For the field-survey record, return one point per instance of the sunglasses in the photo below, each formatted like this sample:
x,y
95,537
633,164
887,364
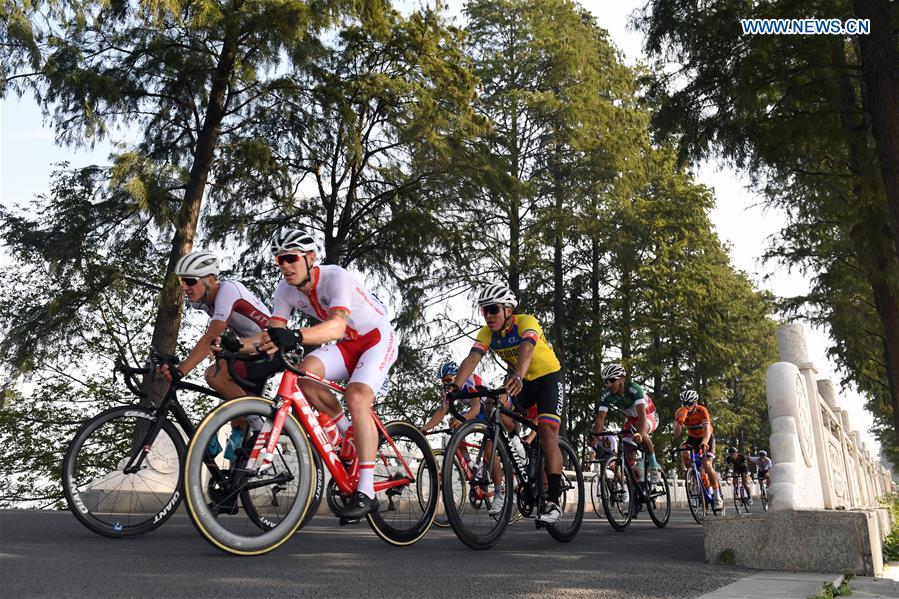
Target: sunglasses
x,y
611,380
448,379
189,281
288,258
491,309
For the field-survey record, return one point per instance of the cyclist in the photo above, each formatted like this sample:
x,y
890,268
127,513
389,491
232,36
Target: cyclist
x,y
475,411
533,377
763,463
366,346
695,419
229,304
638,408
739,469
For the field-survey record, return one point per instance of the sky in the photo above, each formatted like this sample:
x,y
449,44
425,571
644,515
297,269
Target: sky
x,y
28,152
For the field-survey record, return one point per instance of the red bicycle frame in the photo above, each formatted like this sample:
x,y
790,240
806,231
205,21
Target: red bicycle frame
x,y
290,396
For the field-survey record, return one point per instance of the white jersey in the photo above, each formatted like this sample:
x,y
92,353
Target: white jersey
x,y
237,306
334,288
762,463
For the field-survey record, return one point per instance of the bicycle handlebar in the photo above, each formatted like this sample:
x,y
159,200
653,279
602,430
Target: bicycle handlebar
x,y
479,392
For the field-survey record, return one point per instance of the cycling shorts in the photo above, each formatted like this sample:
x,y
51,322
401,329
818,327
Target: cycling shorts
x,y
695,442
651,417
545,393
365,360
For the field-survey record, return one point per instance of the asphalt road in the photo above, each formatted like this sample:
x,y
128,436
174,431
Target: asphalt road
x,y
49,554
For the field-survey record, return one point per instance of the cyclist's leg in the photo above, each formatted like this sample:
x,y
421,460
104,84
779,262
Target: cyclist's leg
x,y
746,485
218,377
327,362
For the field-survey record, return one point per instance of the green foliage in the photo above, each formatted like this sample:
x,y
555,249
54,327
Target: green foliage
x,y
728,557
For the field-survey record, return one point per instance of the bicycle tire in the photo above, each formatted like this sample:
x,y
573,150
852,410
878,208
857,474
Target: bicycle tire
x,y
766,502
241,536
617,493
695,495
659,512
596,495
477,529
119,505
440,518
570,463
406,520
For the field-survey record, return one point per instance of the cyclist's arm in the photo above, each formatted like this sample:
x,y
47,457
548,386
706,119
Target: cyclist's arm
x,y
600,423
466,368
677,429
203,347
326,331
525,353
706,433
435,419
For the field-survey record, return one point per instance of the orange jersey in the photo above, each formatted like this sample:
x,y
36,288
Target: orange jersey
x,y
693,422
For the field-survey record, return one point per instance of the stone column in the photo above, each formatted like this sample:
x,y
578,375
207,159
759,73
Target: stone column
x,y
792,347
851,468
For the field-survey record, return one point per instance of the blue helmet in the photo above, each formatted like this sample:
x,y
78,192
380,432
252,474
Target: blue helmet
x,y
447,369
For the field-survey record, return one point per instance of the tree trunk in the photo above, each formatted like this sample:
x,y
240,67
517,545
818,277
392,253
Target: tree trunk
x,y
880,96
558,280
168,316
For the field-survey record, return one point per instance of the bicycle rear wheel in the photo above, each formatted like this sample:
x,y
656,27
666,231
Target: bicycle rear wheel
x,y
475,525
103,497
213,490
407,508
695,495
571,497
658,501
617,493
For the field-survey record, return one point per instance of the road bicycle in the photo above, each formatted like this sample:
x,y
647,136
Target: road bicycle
x,y
122,471
763,491
520,485
742,502
700,497
624,487
281,454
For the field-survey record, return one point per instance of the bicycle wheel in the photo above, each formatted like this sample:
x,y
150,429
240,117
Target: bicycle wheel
x,y
571,496
596,495
744,499
105,498
695,495
658,500
459,492
407,507
213,491
763,490
260,500
617,492
475,525
738,500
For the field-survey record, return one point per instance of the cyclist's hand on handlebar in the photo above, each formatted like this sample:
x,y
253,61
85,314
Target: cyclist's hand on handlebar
x,y
280,338
230,343
449,389
171,374
513,384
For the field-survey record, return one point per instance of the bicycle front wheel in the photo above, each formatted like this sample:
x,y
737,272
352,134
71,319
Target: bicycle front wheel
x,y
695,495
617,493
405,484
596,494
658,501
213,489
459,492
105,497
571,496
484,519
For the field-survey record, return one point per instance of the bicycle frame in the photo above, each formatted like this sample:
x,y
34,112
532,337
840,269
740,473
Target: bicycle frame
x,y
290,398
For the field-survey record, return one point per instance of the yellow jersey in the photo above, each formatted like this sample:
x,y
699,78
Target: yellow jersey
x,y
523,328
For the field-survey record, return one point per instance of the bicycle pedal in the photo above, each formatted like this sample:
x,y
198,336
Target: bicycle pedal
x,y
349,521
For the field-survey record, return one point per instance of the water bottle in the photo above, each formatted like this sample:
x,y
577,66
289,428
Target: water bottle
x,y
518,452
233,443
348,448
330,429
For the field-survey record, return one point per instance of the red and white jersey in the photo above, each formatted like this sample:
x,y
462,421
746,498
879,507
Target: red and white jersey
x,y
237,306
334,288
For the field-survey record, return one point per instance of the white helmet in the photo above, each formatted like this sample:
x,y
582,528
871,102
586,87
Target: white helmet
x,y
292,240
197,264
689,398
613,371
496,294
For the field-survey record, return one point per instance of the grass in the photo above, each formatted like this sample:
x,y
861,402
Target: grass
x,y
891,542
828,591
